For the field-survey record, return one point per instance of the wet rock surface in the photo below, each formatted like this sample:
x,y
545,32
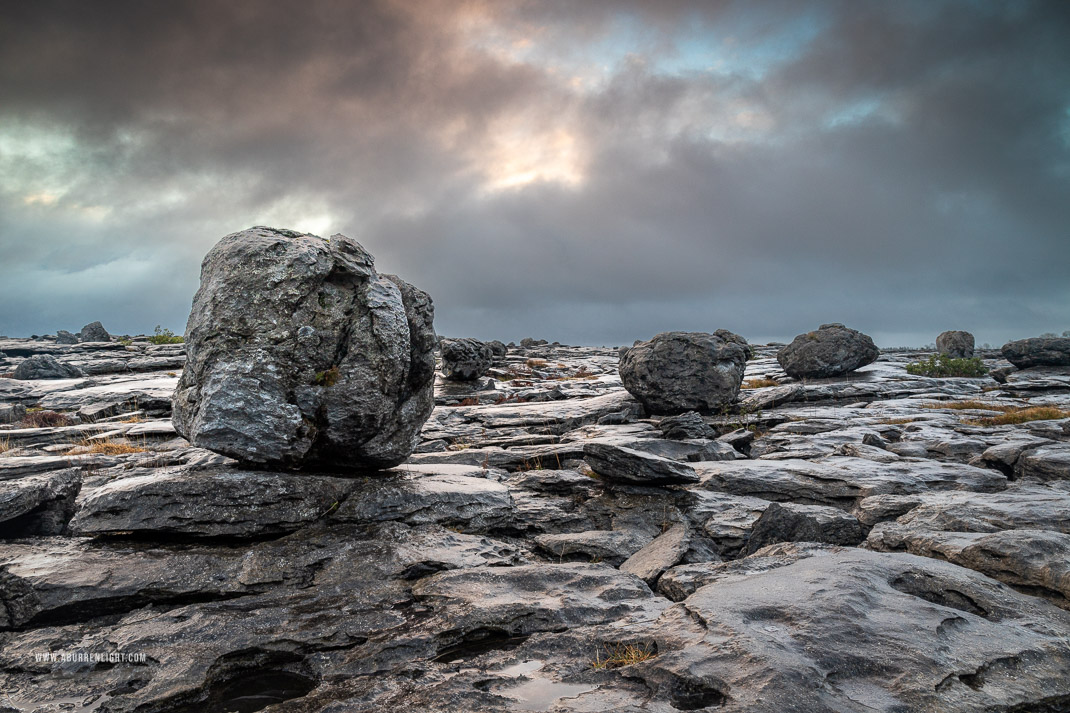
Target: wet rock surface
x,y
955,344
853,544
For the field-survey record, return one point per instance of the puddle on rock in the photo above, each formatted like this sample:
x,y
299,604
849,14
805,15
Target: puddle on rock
x,y
537,693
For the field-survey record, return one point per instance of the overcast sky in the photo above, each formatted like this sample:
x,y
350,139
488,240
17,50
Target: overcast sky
x,y
585,171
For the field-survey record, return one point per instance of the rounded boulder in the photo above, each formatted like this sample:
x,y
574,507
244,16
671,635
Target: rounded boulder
x,y
300,355
677,372
831,350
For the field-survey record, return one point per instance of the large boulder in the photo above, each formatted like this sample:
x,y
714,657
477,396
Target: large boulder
x,y
45,366
465,359
955,344
832,350
300,354
677,372
94,332
1038,351
65,337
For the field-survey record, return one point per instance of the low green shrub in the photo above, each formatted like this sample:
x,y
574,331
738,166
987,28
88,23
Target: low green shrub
x,y
941,366
165,336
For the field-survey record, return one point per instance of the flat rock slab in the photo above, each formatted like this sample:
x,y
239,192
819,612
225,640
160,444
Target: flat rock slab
x,y
843,481
215,503
885,631
1036,560
610,546
531,598
1022,506
22,466
473,504
667,549
617,464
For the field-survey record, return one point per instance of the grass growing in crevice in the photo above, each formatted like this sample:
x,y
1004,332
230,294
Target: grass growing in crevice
x,y
45,419
943,366
5,445
110,447
972,405
1014,415
758,383
620,655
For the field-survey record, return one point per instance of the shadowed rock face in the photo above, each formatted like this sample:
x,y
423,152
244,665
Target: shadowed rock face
x,y
1039,351
685,371
300,354
830,351
955,344
45,366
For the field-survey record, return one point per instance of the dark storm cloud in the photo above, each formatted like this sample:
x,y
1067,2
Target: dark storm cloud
x,y
591,172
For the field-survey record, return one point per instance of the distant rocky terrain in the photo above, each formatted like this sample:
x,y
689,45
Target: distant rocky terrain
x,y
872,541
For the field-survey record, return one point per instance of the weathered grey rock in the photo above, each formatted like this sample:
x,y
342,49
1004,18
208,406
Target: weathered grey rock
x,y
955,344
684,371
470,503
65,337
465,359
38,504
1038,351
213,503
1036,560
1025,505
685,426
625,465
900,632
1050,462
666,550
497,348
726,520
610,546
94,332
832,350
842,481
11,413
45,366
301,355
793,522
528,598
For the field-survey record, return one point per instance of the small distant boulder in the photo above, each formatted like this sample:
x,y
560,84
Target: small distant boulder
x,y
497,348
955,344
94,332
528,342
465,359
300,355
65,337
1038,351
832,350
46,366
677,372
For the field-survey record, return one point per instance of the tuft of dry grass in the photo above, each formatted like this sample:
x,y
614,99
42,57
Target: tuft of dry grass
x,y
897,421
620,655
132,419
45,419
470,401
1022,415
5,445
109,447
972,405
532,363
758,383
